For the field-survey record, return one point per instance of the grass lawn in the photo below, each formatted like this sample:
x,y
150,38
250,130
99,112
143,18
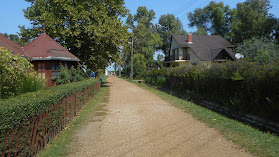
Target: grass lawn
x,y
257,142
60,146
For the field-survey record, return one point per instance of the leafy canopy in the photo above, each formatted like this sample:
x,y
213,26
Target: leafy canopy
x,y
168,26
144,35
249,19
259,50
90,29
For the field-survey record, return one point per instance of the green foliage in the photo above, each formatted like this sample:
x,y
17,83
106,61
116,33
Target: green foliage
x,y
14,111
76,74
139,63
249,19
242,86
17,75
156,77
67,76
92,30
145,38
168,26
201,31
259,50
160,60
214,18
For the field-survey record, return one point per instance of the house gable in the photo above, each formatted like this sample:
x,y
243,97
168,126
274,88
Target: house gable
x,y
222,56
205,47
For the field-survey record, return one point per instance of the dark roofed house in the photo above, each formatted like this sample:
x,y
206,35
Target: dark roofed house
x,y
12,46
46,55
187,50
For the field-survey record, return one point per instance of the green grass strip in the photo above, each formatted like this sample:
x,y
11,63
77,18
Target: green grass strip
x,y
257,142
61,145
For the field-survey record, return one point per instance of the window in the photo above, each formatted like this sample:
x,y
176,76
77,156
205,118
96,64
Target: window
x,y
55,66
55,70
41,70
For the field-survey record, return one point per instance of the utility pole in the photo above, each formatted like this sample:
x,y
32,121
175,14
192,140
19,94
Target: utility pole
x,y
119,68
131,74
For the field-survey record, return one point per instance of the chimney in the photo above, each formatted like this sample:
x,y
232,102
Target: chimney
x,y
189,37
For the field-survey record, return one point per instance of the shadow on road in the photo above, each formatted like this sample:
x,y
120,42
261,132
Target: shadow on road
x,y
106,84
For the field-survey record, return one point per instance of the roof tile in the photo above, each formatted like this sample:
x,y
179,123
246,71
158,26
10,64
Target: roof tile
x,y
9,44
45,48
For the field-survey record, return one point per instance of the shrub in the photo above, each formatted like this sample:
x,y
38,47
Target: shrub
x,y
242,86
21,111
67,76
17,75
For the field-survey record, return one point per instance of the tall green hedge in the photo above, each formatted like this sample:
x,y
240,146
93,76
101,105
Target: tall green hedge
x,y
241,86
14,111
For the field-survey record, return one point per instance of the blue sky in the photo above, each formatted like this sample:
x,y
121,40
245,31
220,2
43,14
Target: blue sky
x,y
12,16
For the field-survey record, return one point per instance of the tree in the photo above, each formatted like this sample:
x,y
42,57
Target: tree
x,y
160,60
139,63
259,50
144,36
91,29
168,26
214,18
201,31
251,19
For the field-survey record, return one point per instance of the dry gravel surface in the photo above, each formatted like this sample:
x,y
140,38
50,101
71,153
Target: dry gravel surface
x,y
139,123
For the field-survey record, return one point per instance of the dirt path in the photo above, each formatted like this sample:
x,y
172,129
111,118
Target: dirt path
x,y
139,123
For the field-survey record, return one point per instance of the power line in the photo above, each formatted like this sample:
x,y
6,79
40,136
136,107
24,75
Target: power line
x,y
196,7
175,12
186,7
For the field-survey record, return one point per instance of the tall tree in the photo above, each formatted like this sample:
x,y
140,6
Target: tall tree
x,y
201,31
90,29
251,19
144,36
168,26
214,18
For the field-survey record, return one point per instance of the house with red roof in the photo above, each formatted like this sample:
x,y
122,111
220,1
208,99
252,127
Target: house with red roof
x,y
45,54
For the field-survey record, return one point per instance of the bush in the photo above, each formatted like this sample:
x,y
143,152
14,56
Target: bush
x,y
17,75
242,86
24,109
67,76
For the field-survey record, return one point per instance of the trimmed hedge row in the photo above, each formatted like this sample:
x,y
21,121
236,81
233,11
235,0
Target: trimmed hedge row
x,y
15,110
241,86
48,109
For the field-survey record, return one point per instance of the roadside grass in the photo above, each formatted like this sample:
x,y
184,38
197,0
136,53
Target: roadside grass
x,y
252,140
61,145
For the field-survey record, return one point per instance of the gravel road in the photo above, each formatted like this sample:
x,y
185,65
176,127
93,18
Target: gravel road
x,y
139,123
